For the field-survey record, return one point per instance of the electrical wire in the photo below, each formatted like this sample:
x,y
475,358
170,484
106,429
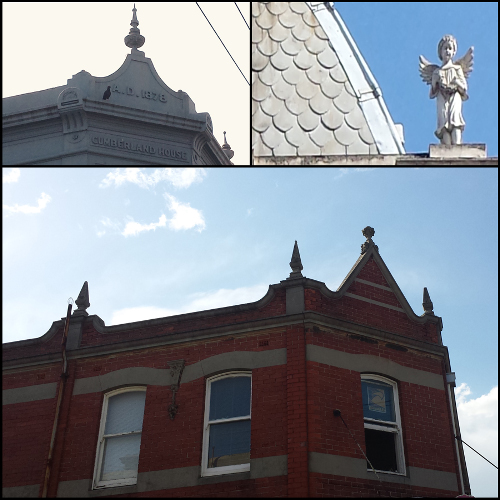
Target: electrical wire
x,y
460,439
223,44
241,15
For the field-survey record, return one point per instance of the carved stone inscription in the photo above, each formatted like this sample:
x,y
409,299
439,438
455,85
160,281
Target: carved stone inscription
x,y
142,93
162,151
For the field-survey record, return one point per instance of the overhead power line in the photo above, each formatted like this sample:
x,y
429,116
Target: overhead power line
x,y
242,15
460,439
223,44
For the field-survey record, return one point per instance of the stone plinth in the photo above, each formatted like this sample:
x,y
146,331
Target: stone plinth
x,y
457,151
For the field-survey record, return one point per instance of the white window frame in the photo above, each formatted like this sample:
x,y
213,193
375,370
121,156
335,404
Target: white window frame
x,y
393,427
96,484
228,469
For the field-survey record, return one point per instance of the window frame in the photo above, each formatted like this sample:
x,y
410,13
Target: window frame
x,y
393,427
96,484
227,469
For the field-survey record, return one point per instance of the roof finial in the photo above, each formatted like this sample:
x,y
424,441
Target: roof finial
x,y
134,39
368,233
83,300
296,263
427,303
227,148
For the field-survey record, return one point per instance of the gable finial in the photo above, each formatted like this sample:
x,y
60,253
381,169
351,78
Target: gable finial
x,y
296,263
134,39
227,148
427,303
83,300
368,233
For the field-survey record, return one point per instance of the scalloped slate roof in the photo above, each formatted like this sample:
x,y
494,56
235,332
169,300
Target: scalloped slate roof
x,y
303,99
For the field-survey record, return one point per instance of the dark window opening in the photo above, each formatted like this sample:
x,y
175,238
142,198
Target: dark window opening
x,y
381,450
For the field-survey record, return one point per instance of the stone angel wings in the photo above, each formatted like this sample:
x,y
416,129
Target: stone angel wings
x,y
427,68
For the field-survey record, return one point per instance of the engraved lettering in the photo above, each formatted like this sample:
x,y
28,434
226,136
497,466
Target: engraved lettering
x,y
130,91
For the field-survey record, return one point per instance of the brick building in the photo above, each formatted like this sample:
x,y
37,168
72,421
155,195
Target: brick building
x,y
240,400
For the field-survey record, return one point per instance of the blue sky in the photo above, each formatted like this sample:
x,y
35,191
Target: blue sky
x,y
153,243
392,35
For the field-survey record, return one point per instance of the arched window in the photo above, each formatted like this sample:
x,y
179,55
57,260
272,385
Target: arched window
x,y
226,433
383,438
119,443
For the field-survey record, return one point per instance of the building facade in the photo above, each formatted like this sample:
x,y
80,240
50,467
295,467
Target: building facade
x,y
306,392
130,117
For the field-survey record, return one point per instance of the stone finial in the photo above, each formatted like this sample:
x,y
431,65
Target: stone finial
x,y
449,86
83,300
227,148
134,39
427,303
296,263
368,233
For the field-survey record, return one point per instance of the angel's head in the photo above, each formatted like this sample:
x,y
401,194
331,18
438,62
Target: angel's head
x,y
447,48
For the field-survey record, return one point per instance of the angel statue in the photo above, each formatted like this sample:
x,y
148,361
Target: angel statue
x,y
449,85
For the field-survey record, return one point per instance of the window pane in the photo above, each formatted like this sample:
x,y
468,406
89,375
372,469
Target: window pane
x,y
230,397
229,444
121,457
378,401
125,412
381,450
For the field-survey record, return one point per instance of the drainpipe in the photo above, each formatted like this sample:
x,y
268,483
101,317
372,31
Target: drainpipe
x,y
62,383
464,479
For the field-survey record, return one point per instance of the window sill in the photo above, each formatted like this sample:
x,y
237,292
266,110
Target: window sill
x,y
224,477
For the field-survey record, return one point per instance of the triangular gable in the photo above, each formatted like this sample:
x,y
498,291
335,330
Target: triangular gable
x,y
312,91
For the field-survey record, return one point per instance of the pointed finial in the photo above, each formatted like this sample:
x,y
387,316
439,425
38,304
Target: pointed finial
x,y
134,39
296,263
368,233
427,303
227,148
83,300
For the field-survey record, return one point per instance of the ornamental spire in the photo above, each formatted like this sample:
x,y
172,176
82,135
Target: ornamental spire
x,y
134,39
227,148
368,233
83,300
296,263
427,303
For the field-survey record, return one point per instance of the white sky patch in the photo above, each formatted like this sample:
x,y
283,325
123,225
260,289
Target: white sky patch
x,y
478,419
178,177
185,216
131,314
12,175
344,171
200,302
28,209
133,228
249,211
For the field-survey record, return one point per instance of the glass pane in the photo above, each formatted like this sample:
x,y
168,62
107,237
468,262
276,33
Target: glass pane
x,y
378,401
230,397
120,457
125,412
229,444
381,450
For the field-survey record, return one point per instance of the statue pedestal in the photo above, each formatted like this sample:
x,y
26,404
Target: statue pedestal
x,y
457,151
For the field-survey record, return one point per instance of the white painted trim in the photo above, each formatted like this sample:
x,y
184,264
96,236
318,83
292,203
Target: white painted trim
x,y
395,427
96,484
229,469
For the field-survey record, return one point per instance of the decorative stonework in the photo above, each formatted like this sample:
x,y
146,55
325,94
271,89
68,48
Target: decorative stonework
x,y
449,86
83,301
176,369
427,303
134,39
296,263
368,233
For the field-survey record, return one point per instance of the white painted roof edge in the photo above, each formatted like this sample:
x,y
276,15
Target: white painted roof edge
x,y
364,84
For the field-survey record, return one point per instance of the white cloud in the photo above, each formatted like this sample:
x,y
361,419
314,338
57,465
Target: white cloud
x,y
200,302
478,420
27,209
134,228
249,211
344,171
185,216
11,176
178,177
